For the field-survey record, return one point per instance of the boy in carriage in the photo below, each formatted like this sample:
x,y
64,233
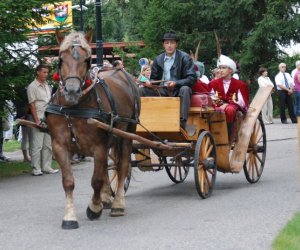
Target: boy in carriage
x,y
230,95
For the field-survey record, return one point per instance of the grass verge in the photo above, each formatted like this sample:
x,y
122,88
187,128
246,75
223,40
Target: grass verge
x,y
11,146
13,168
289,236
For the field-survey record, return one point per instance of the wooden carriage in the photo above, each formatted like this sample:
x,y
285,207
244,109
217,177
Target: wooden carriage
x,y
160,142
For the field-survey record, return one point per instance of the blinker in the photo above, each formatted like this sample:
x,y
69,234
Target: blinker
x,y
55,77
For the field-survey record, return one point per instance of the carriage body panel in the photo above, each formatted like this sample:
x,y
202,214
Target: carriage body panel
x,y
204,119
160,114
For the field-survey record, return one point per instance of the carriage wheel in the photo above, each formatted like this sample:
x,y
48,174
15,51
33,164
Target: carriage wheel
x,y
113,179
205,164
256,153
179,171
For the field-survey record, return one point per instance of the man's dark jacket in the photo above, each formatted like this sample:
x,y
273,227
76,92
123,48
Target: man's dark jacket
x,y
182,71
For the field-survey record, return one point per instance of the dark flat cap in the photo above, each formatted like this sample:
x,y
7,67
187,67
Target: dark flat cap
x,y
170,36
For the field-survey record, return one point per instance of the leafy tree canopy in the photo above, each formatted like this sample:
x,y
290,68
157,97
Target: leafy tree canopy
x,y
249,31
15,20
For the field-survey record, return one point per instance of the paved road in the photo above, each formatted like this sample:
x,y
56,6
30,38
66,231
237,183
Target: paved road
x,y
160,215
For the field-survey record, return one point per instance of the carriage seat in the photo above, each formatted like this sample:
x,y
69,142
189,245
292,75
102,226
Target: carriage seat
x,y
201,100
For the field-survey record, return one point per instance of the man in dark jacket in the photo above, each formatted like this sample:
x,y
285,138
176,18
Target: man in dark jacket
x,y
176,68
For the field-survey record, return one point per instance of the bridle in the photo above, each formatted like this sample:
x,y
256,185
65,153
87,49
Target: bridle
x,y
88,62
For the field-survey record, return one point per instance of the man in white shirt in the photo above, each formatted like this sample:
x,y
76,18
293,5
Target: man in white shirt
x,y
39,95
285,85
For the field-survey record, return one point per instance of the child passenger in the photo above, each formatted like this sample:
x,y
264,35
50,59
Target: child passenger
x,y
145,74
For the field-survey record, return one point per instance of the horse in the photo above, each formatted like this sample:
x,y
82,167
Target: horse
x,y
111,97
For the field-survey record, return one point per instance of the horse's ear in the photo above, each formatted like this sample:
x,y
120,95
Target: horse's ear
x,y
59,36
89,35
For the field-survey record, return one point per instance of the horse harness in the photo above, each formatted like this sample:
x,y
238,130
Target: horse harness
x,y
100,114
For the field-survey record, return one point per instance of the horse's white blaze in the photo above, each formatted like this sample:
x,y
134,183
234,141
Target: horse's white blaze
x,y
70,210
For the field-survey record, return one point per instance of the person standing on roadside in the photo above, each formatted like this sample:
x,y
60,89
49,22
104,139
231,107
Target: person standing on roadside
x,y
267,110
285,85
295,69
297,91
39,95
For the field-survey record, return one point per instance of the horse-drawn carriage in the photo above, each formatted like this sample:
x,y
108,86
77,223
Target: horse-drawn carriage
x,y
207,150
111,102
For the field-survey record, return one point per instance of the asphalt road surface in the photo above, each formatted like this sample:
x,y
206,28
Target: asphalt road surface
x,y
159,214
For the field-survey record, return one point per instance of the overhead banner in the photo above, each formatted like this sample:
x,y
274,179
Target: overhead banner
x,y
59,16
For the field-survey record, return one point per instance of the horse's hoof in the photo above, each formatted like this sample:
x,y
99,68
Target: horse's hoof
x,y
115,212
69,224
106,205
92,215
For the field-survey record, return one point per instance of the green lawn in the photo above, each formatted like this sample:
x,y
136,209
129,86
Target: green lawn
x,y
289,236
14,168
10,146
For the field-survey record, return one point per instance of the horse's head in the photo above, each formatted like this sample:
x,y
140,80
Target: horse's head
x,y
74,64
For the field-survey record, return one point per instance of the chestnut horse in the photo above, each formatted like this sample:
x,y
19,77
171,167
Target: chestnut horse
x,y
110,97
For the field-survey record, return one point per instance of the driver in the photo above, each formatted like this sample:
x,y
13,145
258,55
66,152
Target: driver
x,y
176,68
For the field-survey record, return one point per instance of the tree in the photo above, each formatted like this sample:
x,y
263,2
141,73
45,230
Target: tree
x,y
249,30
112,19
15,20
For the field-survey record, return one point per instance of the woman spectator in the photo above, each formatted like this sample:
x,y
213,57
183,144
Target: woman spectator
x,y
267,110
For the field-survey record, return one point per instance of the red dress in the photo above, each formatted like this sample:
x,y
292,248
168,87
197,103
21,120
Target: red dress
x,y
234,87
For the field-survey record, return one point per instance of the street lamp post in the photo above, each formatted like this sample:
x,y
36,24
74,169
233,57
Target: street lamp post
x,y
99,42
81,13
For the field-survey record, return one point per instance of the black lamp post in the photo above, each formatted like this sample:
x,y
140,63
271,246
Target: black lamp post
x,y
99,42
81,20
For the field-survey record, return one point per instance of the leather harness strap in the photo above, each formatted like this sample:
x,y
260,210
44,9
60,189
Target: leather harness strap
x,y
100,114
79,112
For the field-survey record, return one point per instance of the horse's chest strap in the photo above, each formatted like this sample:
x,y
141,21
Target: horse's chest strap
x,y
79,112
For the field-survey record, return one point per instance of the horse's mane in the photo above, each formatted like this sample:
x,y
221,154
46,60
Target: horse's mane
x,y
75,38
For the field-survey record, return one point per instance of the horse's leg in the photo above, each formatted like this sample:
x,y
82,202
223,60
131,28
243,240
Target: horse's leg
x,y
124,152
95,207
69,219
106,192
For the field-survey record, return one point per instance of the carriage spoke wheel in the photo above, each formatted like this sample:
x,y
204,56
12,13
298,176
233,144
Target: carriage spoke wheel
x,y
179,171
256,153
205,164
113,179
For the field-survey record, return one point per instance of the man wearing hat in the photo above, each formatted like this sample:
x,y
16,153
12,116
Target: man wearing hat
x,y
176,68
230,94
